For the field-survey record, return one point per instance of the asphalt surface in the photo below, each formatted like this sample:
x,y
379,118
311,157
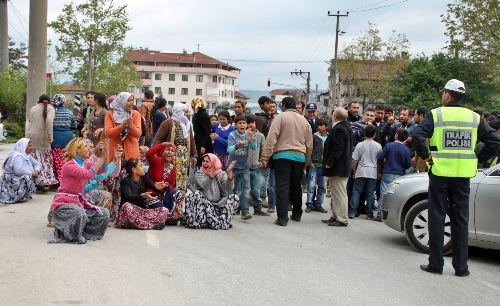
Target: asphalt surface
x,y
256,262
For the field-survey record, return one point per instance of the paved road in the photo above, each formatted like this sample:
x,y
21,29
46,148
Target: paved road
x,y
255,263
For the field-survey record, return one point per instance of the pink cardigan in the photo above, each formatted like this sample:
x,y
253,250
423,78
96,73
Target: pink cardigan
x,y
73,180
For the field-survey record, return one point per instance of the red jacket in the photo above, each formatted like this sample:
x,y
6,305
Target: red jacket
x,y
157,167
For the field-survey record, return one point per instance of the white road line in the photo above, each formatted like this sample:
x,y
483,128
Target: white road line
x,y
152,239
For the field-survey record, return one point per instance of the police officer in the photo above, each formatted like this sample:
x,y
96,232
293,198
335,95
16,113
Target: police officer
x,y
452,131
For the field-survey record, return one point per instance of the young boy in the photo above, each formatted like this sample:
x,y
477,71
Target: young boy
x,y
239,143
254,166
364,165
315,179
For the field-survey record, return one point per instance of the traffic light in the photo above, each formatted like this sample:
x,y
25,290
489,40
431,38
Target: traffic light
x,y
269,82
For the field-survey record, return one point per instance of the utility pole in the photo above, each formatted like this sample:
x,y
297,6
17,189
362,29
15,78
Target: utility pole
x,y
37,52
4,36
333,70
306,76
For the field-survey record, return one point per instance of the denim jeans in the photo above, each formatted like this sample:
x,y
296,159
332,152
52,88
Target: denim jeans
x,y
315,186
271,189
361,184
264,172
387,179
255,183
242,187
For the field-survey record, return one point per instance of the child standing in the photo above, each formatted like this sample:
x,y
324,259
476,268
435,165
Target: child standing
x,y
254,166
239,143
315,179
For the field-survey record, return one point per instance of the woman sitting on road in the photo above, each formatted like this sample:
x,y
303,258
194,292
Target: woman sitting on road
x,y
161,159
76,220
213,202
141,206
17,183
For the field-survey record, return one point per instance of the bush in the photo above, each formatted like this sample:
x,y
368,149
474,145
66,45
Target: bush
x,y
15,131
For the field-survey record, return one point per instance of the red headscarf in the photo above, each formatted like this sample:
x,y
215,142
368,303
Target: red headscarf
x,y
216,165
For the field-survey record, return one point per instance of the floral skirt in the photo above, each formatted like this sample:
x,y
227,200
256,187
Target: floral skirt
x,y
15,188
181,162
201,213
57,156
102,198
112,184
132,216
75,224
46,177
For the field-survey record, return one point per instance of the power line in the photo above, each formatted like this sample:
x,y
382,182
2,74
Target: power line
x,y
378,7
18,32
18,17
271,61
368,5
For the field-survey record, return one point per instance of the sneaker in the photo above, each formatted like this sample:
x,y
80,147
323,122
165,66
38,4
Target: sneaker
x,y
265,203
271,210
309,209
260,213
281,222
245,215
295,218
320,209
337,223
351,215
332,219
378,219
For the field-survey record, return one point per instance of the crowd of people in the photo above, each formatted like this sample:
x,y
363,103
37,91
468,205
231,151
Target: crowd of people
x,y
155,165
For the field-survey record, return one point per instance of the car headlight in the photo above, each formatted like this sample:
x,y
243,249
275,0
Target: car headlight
x,y
391,189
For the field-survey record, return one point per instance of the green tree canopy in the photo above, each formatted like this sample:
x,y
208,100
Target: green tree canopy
x,y
17,55
420,81
99,27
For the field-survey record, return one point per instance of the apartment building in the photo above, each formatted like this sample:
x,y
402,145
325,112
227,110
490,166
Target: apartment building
x,y
181,77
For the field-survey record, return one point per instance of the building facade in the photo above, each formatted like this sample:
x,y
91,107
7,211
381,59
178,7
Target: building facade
x,y
181,77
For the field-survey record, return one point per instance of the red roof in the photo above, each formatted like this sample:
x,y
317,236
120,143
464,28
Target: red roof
x,y
240,95
178,58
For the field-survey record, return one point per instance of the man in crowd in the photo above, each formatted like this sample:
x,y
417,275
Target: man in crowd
x,y
405,122
353,109
300,107
315,180
289,143
337,156
86,114
145,110
312,116
451,130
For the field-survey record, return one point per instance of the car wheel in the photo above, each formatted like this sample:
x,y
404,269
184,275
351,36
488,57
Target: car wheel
x,y
417,228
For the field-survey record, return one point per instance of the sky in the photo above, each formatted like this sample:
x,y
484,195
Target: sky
x,y
247,33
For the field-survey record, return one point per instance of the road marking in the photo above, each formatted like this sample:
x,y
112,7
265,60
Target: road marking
x,y
488,284
152,239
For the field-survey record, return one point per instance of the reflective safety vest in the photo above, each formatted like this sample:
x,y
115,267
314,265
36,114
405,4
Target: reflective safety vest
x,y
453,142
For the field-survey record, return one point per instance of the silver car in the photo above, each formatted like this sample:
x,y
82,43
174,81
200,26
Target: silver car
x,y
404,208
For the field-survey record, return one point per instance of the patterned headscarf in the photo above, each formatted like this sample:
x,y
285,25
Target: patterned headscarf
x,y
118,107
59,100
178,116
216,166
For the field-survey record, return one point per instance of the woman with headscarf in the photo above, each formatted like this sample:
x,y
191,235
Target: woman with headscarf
x,y
17,183
64,123
177,130
122,126
39,129
213,202
202,129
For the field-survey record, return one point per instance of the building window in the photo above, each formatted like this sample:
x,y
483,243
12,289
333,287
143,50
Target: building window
x,y
171,77
158,90
144,88
199,78
199,92
220,79
171,103
184,77
233,82
184,91
171,91
214,79
157,76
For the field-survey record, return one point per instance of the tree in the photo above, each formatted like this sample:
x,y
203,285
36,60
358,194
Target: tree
x,y
473,27
420,81
92,30
13,94
117,77
368,64
17,55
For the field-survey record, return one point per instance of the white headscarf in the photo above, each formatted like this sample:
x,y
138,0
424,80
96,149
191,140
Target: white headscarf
x,y
118,107
178,116
19,150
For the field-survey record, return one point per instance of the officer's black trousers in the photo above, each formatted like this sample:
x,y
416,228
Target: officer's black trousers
x,y
448,194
